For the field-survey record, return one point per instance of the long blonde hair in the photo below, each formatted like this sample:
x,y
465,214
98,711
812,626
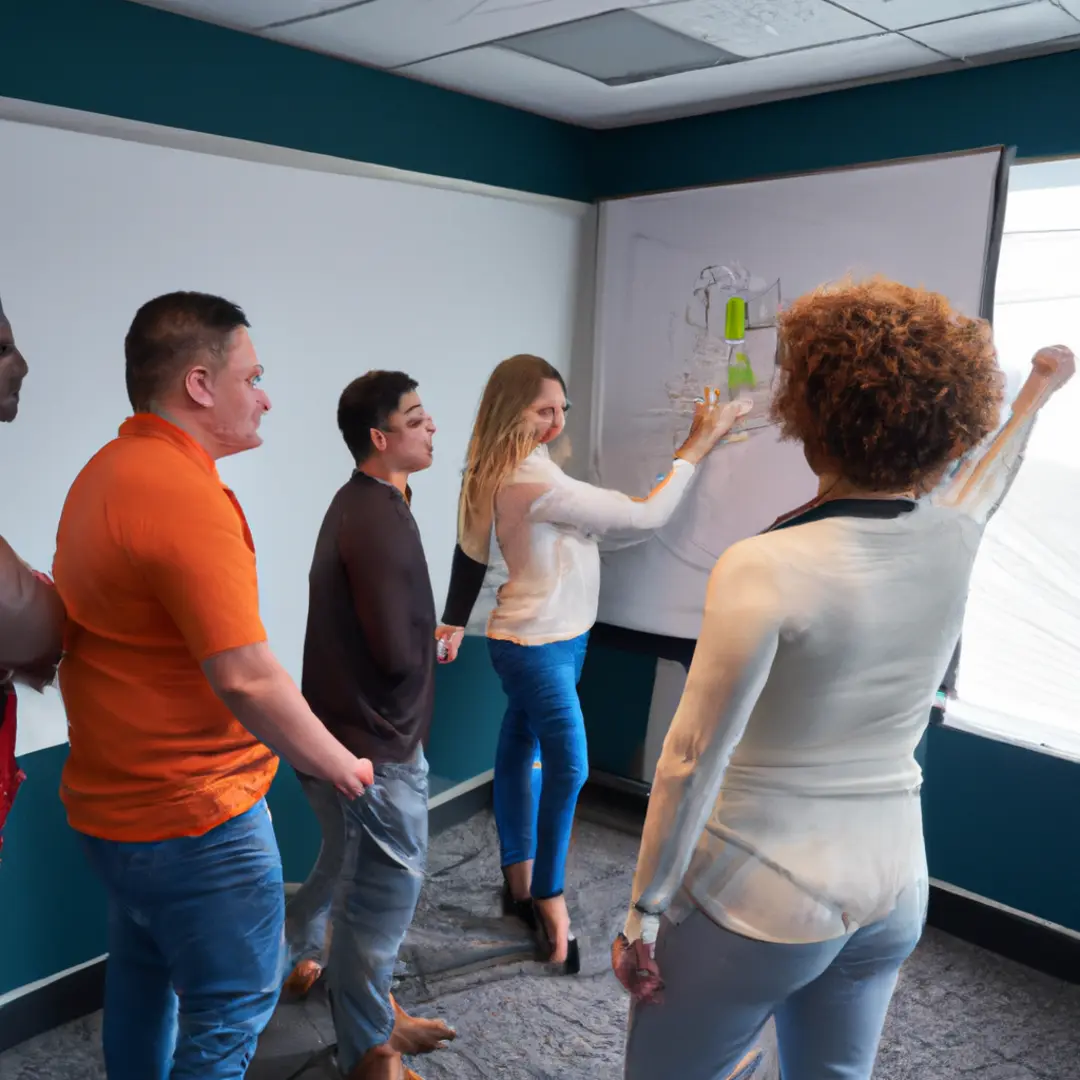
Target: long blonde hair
x,y
500,441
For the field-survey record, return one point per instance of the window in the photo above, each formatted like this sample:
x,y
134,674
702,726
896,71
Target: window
x,y
1019,672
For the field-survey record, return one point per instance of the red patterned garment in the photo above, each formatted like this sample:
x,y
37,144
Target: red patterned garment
x,y
11,776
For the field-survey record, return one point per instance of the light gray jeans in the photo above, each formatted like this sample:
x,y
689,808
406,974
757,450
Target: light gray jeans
x,y
829,999
367,878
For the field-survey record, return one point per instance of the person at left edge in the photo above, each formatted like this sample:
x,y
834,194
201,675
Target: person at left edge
x,y
174,699
31,614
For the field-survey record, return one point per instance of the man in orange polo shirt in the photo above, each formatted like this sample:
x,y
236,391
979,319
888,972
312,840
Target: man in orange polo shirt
x,y
173,700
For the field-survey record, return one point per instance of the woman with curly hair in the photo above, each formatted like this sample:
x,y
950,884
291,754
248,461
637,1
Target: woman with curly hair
x,y
782,871
517,503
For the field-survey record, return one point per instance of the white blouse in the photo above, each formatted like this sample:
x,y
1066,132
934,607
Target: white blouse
x,y
547,531
786,799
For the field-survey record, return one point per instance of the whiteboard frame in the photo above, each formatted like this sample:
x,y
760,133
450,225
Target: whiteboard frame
x,y
991,256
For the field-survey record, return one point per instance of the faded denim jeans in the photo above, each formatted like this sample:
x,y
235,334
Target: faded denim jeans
x,y
829,999
196,949
368,878
307,914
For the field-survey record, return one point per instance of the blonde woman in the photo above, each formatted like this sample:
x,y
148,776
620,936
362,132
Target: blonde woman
x,y
547,527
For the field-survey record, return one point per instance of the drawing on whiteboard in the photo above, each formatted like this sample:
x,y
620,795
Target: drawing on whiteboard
x,y
725,338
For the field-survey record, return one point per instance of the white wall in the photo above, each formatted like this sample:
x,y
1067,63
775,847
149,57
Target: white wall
x,y
338,274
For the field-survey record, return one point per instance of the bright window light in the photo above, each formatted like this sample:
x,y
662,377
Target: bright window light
x,y
1019,673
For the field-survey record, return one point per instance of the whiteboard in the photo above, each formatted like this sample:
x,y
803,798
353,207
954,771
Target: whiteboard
x,y
338,274
926,222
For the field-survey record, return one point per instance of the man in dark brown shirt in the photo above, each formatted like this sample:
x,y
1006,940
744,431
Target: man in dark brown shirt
x,y
369,675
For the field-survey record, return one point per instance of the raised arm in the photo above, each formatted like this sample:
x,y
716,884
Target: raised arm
x,y
735,652
599,510
983,479
602,512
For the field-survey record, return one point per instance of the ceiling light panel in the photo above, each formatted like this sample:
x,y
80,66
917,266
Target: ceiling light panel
x,y
900,14
995,31
243,14
761,27
617,48
389,33
501,75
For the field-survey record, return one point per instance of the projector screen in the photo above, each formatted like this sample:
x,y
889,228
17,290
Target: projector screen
x,y
668,266
337,273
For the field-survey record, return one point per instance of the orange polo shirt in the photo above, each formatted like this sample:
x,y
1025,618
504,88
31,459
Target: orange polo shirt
x,y
156,566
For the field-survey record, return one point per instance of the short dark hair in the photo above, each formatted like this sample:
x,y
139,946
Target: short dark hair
x,y
170,332
369,402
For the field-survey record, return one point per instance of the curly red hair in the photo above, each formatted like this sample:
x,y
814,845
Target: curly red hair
x,y
884,384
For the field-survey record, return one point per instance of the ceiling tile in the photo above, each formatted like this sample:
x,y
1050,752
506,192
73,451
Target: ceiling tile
x,y
994,31
501,75
387,33
243,14
618,47
760,29
900,14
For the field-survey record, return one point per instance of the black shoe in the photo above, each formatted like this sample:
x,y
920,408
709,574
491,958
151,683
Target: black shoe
x,y
572,964
519,909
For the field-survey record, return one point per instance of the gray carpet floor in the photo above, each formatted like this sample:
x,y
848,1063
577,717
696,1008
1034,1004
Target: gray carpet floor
x,y
958,1011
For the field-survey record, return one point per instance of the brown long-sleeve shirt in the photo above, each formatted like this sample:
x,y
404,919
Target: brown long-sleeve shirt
x,y
369,652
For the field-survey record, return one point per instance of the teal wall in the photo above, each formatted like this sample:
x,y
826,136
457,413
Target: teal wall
x,y
120,59
1026,104
52,904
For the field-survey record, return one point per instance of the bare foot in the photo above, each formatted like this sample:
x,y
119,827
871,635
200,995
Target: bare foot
x,y
417,1034
556,919
303,977
382,1063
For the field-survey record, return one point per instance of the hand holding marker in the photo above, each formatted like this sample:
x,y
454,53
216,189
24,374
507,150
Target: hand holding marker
x,y
741,406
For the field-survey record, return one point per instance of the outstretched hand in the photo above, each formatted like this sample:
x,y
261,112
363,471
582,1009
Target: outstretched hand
x,y
634,964
712,421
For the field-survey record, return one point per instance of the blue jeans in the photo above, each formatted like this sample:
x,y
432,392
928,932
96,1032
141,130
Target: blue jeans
x,y
829,999
542,760
382,871
196,949
307,914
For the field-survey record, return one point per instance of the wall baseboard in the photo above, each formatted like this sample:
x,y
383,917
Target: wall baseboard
x,y
1010,934
60,1001
82,991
